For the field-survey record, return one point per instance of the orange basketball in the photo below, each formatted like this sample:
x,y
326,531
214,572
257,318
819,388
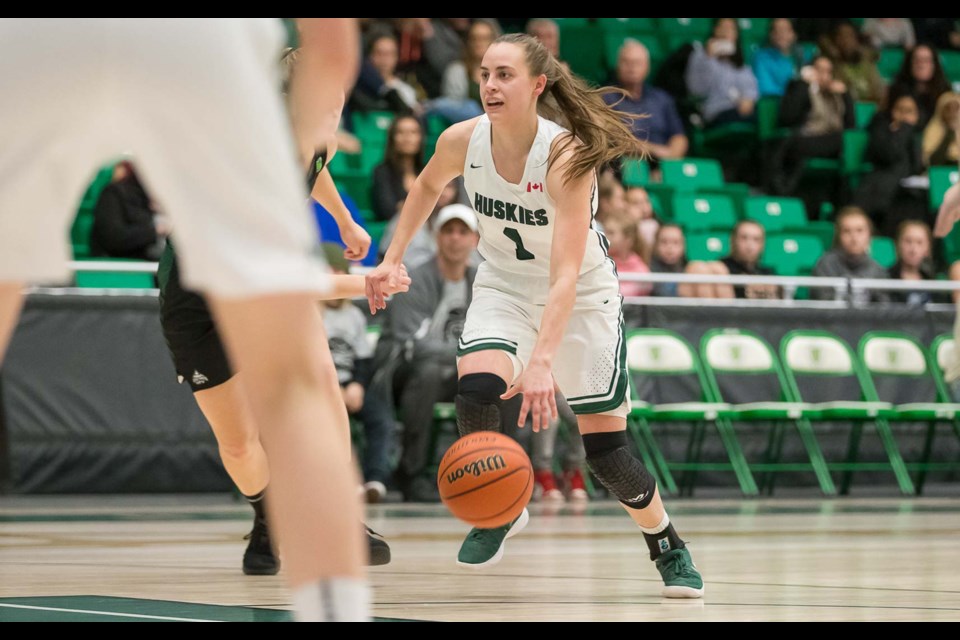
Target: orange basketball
x,y
485,479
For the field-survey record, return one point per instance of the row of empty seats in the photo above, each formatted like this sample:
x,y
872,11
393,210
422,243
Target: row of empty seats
x,y
815,377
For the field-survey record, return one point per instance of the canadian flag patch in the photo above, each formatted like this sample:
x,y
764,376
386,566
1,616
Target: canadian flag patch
x,y
534,186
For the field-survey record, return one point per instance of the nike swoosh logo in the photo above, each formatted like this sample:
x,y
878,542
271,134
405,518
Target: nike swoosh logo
x,y
476,166
638,498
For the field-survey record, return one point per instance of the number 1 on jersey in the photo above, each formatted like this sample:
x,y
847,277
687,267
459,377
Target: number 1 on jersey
x,y
522,253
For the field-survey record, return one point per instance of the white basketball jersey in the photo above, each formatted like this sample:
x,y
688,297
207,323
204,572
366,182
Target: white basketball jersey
x,y
517,220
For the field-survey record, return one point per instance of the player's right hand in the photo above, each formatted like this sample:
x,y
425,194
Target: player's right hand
x,y
949,212
357,240
380,281
402,285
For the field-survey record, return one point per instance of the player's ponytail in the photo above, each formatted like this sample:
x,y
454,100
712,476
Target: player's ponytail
x,y
604,134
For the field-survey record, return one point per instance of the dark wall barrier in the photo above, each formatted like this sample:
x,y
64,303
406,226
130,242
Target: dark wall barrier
x,y
89,400
92,403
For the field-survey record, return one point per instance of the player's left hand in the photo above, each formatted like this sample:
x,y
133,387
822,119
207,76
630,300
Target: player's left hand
x,y
539,399
357,240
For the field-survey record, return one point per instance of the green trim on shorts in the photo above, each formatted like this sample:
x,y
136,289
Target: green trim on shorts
x,y
619,394
487,346
486,339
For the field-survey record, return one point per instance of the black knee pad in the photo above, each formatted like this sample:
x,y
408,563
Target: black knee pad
x,y
618,470
478,403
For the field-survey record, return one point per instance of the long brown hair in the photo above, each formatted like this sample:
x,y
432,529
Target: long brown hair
x,y
604,134
392,156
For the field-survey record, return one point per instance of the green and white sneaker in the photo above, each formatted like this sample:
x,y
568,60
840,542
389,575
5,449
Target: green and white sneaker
x,y
680,576
484,547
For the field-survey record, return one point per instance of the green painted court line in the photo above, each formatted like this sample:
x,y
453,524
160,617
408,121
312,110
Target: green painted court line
x,y
110,609
103,613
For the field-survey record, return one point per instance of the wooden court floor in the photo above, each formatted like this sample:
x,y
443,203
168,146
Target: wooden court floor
x,y
178,558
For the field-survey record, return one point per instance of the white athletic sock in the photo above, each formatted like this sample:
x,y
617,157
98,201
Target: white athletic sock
x,y
333,600
660,528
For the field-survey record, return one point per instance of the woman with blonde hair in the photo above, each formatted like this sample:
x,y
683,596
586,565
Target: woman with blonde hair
x,y
940,137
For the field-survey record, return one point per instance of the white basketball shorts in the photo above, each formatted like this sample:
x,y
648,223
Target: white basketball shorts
x,y
197,104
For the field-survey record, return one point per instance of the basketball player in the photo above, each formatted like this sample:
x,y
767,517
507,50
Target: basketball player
x,y
546,302
200,361
197,103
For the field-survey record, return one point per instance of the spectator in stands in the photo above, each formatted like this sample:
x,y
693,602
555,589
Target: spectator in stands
x,y
815,29
942,33
392,94
347,336
460,94
854,63
890,32
922,77
747,241
416,356
547,32
914,242
570,485
669,256
639,208
626,249
850,256
126,223
611,200
776,64
818,108
423,247
717,73
895,155
939,143
440,41
661,125
402,163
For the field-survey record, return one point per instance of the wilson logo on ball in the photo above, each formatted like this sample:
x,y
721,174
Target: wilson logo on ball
x,y
477,468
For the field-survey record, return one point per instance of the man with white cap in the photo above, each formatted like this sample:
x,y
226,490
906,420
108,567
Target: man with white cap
x,y
416,356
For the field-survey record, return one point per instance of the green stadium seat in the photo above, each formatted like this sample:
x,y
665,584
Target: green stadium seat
x,y
754,30
692,174
768,112
664,195
823,229
902,370
863,113
708,246
819,363
884,251
581,46
854,148
891,59
636,172
941,179
951,64
668,385
792,254
777,214
566,23
704,212
690,28
629,25
372,126
733,358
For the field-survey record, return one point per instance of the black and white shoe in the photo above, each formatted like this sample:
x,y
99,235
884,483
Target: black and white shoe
x,y
259,558
379,549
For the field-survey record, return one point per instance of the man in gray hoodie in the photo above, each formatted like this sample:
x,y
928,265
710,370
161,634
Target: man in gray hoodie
x,y
416,357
